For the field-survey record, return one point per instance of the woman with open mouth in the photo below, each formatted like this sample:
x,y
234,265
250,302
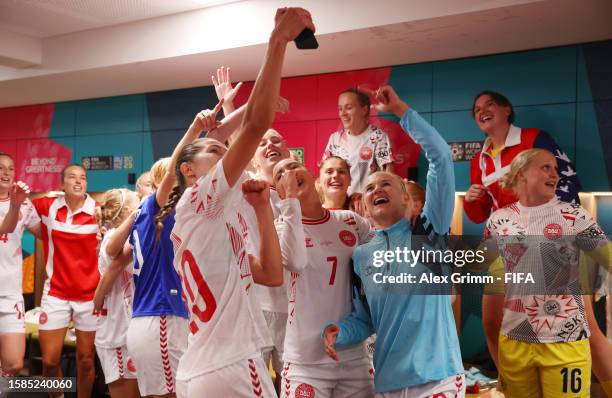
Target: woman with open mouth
x,y
544,341
16,215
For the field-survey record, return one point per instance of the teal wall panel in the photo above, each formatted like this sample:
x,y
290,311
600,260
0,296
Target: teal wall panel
x,y
590,163
604,213
458,126
530,77
122,145
413,84
110,115
583,87
558,120
63,122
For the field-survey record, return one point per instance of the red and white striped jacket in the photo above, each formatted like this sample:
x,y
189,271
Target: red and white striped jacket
x,y
488,170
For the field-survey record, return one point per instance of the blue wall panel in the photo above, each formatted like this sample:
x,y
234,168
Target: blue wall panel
x,y
63,123
590,163
413,84
110,115
123,145
530,77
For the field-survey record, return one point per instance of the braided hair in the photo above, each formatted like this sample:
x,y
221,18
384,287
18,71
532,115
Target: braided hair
x,y
187,154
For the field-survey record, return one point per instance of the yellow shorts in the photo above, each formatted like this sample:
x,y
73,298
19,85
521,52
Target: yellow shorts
x,y
551,370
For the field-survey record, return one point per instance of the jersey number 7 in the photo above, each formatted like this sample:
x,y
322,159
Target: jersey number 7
x,y
334,263
204,293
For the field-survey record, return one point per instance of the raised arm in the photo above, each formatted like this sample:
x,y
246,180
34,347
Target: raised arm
x,y
204,120
289,22
267,269
440,187
289,225
17,195
117,241
110,276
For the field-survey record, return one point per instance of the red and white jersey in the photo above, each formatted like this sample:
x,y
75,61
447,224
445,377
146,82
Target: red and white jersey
x,y
212,261
114,319
544,241
319,290
365,153
10,247
70,244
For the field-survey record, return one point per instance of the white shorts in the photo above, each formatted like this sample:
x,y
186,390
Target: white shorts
x,y
244,378
156,343
57,313
277,325
451,387
12,314
344,379
116,363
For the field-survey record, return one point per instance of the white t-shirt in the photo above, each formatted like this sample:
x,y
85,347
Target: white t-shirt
x,y
10,248
544,241
319,291
114,320
365,153
211,258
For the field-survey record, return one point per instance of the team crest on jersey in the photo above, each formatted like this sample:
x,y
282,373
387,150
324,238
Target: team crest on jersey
x,y
304,391
547,310
347,237
365,153
553,231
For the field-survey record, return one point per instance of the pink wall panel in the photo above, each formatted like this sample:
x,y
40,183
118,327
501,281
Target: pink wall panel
x,y
40,162
313,115
26,121
10,147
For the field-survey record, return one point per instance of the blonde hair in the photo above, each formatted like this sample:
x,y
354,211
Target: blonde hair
x,y
159,170
519,164
112,205
415,190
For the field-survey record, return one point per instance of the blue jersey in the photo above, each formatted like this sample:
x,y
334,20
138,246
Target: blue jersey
x,y
416,340
157,285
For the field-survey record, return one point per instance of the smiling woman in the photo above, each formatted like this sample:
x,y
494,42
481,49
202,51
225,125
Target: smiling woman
x,y
364,146
494,115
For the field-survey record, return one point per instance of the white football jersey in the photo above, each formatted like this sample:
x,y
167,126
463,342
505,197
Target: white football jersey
x,y
319,290
10,248
211,259
114,319
545,242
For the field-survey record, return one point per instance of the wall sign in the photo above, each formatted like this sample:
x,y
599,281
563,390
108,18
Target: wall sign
x,y
465,150
299,154
107,162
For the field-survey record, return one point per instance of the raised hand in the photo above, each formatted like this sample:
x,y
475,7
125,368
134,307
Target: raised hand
x,y
256,193
223,85
19,192
329,340
289,23
387,100
206,120
282,105
356,204
288,184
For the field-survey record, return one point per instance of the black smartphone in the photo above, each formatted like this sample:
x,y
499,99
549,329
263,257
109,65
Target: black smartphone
x,y
306,40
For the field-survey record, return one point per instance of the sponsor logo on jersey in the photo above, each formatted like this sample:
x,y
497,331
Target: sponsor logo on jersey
x,y
43,318
553,231
348,238
365,153
304,391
